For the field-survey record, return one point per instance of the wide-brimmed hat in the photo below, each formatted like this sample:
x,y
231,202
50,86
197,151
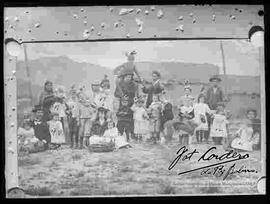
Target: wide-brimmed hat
x,y
96,83
125,72
215,78
102,109
251,110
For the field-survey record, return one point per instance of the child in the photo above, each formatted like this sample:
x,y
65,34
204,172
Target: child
x,y
256,126
60,106
27,140
140,117
181,132
200,111
218,130
167,121
154,111
243,140
56,130
99,126
73,119
40,126
86,111
125,118
113,134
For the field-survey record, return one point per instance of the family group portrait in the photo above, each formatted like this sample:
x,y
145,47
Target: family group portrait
x,y
107,118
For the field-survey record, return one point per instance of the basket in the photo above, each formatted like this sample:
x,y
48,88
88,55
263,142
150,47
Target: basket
x,y
102,147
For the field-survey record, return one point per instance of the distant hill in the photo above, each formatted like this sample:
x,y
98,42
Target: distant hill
x,y
63,70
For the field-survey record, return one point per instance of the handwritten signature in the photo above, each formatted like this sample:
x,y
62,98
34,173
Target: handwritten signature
x,y
217,169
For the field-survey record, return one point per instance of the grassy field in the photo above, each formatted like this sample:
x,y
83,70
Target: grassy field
x,y
140,170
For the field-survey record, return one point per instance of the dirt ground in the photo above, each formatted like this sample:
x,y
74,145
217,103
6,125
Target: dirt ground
x,y
140,170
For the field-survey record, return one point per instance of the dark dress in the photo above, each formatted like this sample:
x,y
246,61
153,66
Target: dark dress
x,y
41,130
98,129
46,100
154,88
127,88
125,120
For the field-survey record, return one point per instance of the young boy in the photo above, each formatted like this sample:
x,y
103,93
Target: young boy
x,y
41,127
73,119
125,118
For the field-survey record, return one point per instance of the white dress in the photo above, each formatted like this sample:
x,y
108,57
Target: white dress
x,y
59,108
218,128
200,110
244,141
113,134
56,131
141,124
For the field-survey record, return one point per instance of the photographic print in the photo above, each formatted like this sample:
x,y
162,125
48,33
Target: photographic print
x,y
115,101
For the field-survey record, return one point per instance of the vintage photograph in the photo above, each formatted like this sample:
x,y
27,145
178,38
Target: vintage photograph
x,y
139,118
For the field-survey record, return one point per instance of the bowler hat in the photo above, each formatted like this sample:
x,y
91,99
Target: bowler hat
x,y
215,78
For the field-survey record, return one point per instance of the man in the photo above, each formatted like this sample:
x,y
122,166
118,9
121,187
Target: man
x,y
214,94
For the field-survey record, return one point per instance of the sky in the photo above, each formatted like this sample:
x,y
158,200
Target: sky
x,y
241,58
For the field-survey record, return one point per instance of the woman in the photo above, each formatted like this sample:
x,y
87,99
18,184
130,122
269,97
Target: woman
x,y
154,88
46,99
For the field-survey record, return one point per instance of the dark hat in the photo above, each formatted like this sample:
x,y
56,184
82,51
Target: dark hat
x,y
37,108
221,103
215,78
48,82
102,109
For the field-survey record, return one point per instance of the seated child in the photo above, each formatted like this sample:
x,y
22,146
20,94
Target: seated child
x,y
113,134
243,140
40,126
256,126
219,128
27,142
56,131
182,132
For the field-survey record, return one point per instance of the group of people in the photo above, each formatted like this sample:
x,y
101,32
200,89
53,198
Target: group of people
x,y
137,110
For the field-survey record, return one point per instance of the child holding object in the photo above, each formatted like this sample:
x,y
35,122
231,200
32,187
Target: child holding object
x,y
140,117
219,128
200,111
56,130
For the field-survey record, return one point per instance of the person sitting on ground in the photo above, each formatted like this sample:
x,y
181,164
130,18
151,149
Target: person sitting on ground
x,y
27,141
113,134
256,126
41,127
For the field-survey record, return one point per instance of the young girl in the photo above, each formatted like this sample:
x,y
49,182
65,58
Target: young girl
x,y
56,131
154,111
113,134
256,126
98,127
140,117
27,141
60,106
73,119
200,111
218,130
243,140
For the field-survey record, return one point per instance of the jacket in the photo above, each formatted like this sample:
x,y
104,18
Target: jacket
x,y
213,98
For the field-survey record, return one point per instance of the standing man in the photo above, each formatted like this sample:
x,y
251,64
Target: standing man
x,y
214,94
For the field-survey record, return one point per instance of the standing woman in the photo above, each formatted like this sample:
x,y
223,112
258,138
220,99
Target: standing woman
x,y
46,99
154,88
